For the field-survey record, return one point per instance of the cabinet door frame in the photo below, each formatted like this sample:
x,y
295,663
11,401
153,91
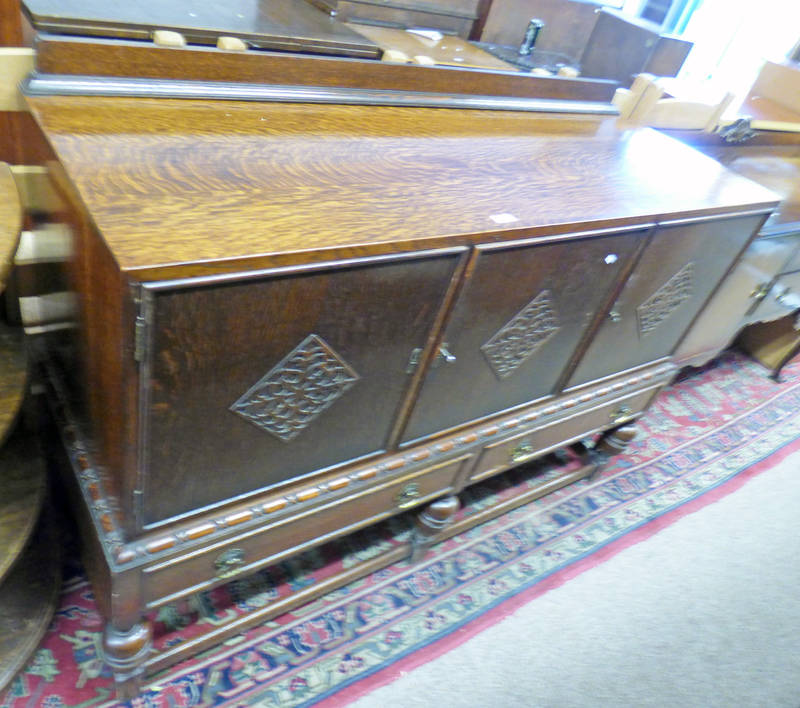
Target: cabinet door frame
x,y
569,386
646,228
145,295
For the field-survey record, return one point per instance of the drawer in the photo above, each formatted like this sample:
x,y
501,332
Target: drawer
x,y
499,456
313,526
781,300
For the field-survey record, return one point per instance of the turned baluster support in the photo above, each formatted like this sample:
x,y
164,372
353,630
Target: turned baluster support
x,y
430,522
125,651
612,442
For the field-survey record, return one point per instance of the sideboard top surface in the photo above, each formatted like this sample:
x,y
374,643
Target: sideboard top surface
x,y
181,188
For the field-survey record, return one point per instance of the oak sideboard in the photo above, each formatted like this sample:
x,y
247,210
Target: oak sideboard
x,y
297,320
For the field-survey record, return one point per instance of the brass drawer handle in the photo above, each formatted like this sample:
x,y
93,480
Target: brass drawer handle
x,y
229,563
760,292
408,496
522,452
615,316
788,299
622,415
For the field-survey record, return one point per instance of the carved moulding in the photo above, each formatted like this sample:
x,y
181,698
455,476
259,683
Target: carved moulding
x,y
664,301
297,390
517,340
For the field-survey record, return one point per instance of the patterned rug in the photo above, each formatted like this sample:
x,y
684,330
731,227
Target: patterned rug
x,y
709,432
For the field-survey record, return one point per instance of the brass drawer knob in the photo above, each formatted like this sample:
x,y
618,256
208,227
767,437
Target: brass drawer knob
x,y
622,415
229,563
615,316
522,452
408,496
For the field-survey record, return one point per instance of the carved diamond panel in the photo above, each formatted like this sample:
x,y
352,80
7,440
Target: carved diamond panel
x,y
664,301
518,339
297,390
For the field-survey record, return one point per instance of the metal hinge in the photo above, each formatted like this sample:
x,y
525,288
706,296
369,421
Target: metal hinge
x,y
140,338
413,360
143,300
138,504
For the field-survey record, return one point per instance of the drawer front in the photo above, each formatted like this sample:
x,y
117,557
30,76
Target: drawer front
x,y
513,451
200,569
781,300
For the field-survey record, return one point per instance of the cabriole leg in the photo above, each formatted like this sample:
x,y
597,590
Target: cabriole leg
x,y
431,521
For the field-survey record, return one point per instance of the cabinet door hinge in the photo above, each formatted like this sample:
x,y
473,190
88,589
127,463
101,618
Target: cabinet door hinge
x,y
138,504
140,338
413,360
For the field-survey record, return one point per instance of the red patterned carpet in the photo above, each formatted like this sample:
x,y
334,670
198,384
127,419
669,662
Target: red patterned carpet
x,y
704,436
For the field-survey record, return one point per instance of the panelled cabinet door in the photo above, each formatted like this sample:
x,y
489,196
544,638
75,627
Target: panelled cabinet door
x,y
674,277
515,325
254,383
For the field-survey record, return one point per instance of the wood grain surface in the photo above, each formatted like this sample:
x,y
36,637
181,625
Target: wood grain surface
x,y
776,167
10,222
22,491
278,24
13,377
229,185
10,25
446,50
73,55
21,141
28,599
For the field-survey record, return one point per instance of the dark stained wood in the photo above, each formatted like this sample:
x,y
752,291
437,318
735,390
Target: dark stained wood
x,y
453,21
21,140
22,492
13,377
447,51
431,522
10,221
668,56
567,24
557,276
105,370
278,24
184,212
124,650
482,10
65,55
199,569
674,277
10,25
28,598
215,635
618,48
370,317
151,171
